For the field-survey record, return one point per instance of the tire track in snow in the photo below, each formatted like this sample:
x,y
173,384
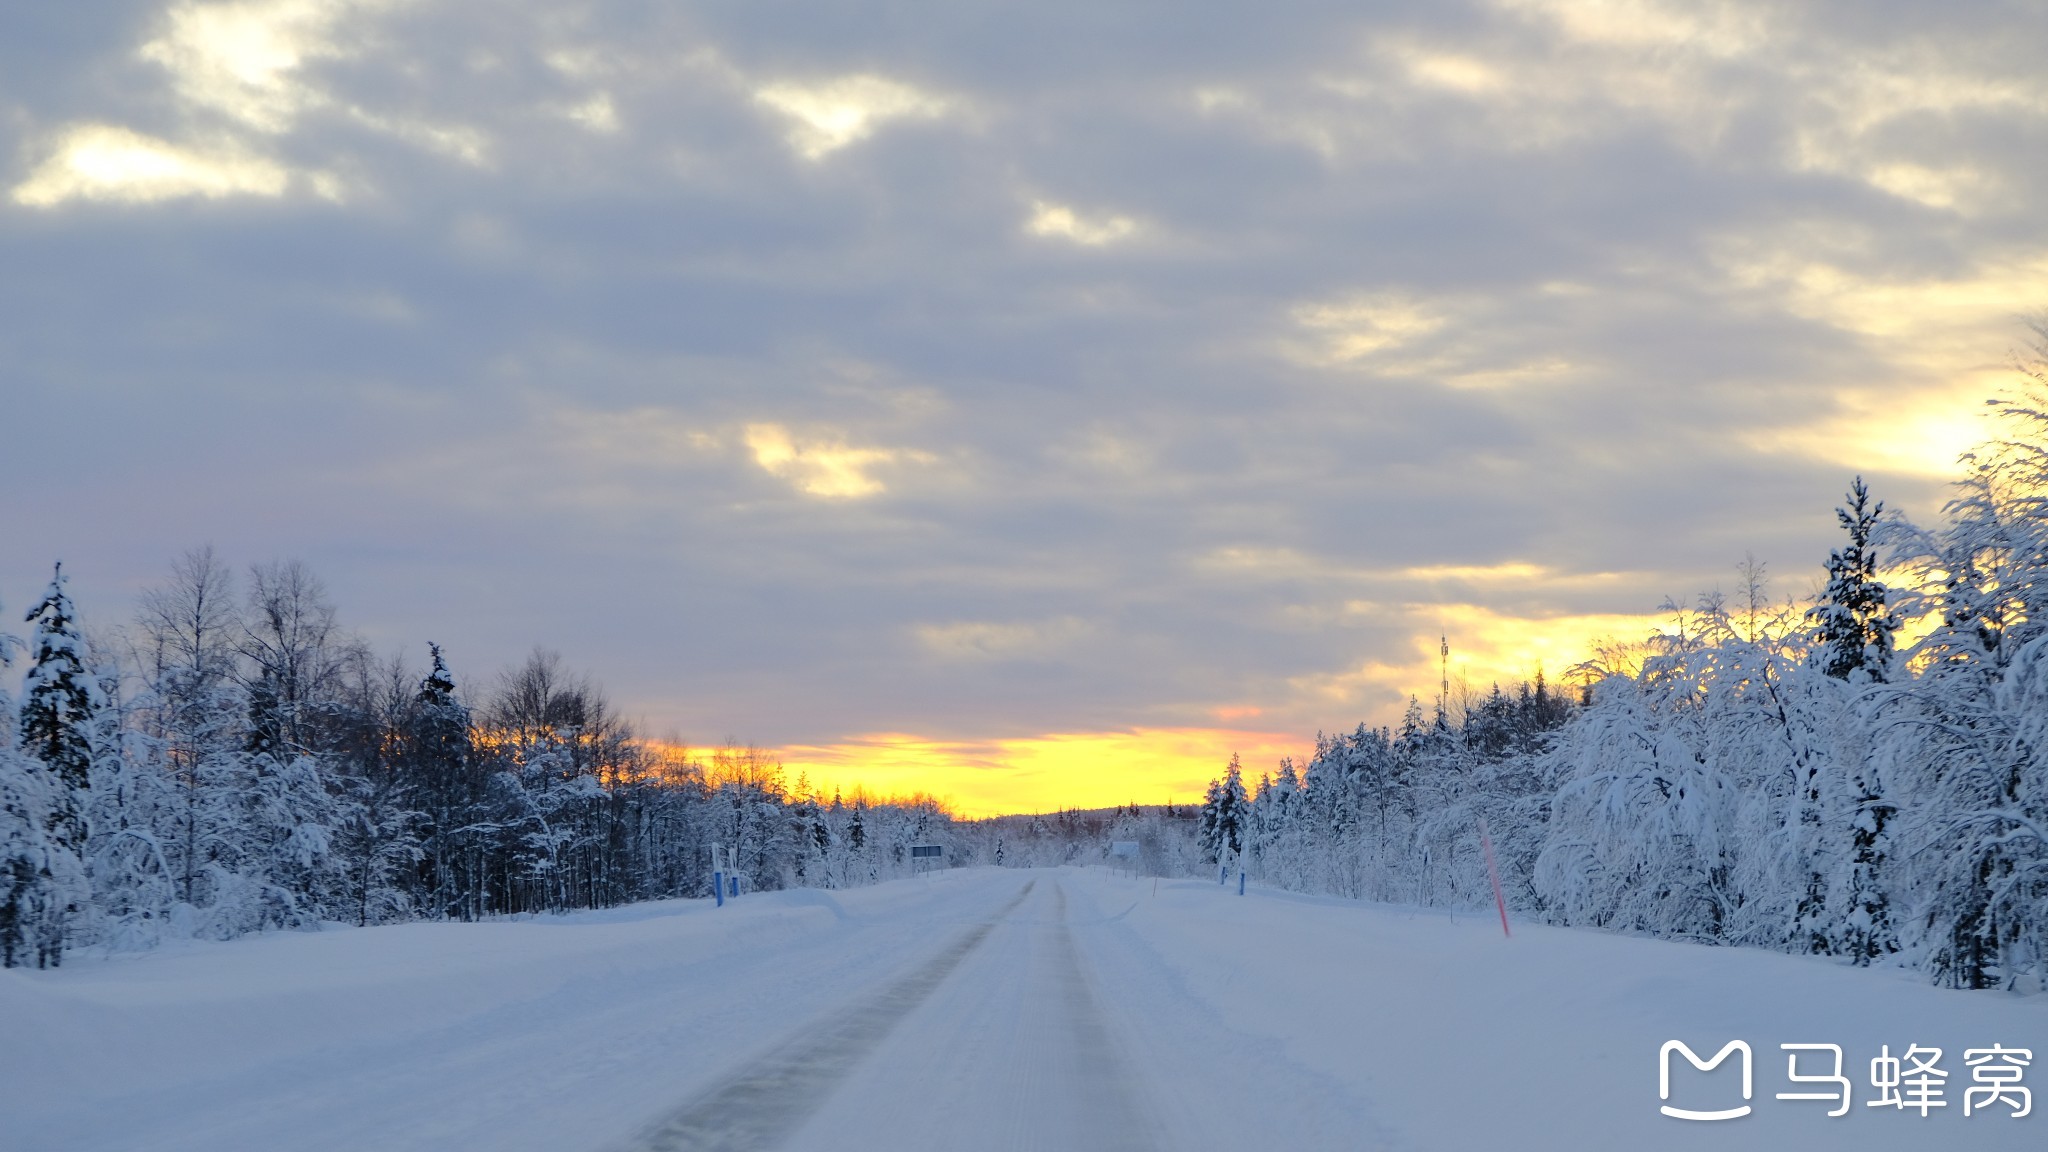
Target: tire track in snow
x,y
1107,1094
761,1105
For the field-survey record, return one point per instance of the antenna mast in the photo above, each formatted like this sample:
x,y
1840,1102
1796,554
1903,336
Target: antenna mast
x,y
1443,698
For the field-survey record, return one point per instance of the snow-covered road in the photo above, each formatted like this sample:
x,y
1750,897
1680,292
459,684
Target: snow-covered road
x,y
1063,1009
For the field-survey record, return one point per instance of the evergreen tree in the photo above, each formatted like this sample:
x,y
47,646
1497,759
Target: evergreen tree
x,y
440,762
1212,802
60,703
1866,933
1854,624
59,712
1234,818
1225,811
264,732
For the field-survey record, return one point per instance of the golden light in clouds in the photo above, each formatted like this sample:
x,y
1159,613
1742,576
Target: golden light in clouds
x,y
824,467
1043,773
1153,765
1922,434
1487,648
1945,339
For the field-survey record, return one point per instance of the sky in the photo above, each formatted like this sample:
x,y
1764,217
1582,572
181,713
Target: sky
x,y
1031,404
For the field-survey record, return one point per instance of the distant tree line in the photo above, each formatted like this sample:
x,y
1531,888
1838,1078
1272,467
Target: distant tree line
x,y
1165,834
234,761
1864,776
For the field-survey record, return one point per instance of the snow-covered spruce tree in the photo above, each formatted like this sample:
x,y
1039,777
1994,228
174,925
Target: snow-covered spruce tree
x,y
808,837
59,713
1854,623
1372,773
1212,803
1849,913
1324,821
1862,923
440,761
59,705
1233,815
1225,809
1277,846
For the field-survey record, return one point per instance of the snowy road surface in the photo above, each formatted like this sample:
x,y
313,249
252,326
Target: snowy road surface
x,y
1063,1009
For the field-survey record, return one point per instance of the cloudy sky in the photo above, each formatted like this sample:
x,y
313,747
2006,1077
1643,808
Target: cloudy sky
x,y
1028,402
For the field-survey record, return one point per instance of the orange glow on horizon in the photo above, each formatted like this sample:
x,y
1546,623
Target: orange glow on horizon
x,y
1042,773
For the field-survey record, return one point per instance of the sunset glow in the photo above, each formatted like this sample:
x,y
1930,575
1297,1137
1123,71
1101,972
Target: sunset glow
x,y
1041,773
1487,648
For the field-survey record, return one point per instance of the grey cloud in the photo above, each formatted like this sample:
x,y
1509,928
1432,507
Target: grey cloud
x,y
467,392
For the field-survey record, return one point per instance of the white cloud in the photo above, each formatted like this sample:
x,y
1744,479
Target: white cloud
x,y
242,59
238,69
108,162
1454,72
1720,29
821,466
596,114
1058,221
831,115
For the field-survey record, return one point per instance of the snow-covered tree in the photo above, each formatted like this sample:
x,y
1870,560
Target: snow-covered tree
x,y
190,718
1225,811
59,709
58,721
1854,623
25,894
439,756
1964,740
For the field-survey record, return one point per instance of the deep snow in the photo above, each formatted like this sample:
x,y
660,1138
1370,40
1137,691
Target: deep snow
x,y
1098,1011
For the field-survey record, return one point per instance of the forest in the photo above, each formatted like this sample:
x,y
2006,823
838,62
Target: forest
x,y
231,763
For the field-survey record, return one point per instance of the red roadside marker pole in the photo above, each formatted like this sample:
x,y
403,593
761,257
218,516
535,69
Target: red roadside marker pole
x,y
1493,874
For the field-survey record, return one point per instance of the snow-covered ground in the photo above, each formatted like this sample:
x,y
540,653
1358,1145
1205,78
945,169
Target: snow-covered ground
x,y
1050,1009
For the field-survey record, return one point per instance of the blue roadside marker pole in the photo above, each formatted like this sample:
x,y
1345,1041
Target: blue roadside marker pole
x,y
718,874
1240,879
1223,874
735,882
